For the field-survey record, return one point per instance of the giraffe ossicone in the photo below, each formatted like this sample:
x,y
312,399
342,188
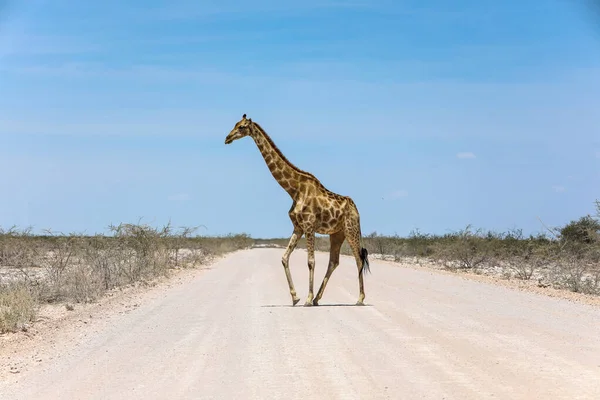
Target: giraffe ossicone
x,y
315,209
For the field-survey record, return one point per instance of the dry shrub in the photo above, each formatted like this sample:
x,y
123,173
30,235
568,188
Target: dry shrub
x,y
82,284
17,307
379,245
77,268
143,251
218,245
525,262
577,268
18,249
521,256
464,249
60,252
575,264
103,258
417,244
180,253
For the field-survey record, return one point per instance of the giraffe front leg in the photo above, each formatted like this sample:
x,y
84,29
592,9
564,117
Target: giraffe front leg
x,y
310,248
285,260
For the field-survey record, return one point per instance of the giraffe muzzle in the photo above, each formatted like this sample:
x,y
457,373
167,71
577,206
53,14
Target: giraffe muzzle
x,y
232,136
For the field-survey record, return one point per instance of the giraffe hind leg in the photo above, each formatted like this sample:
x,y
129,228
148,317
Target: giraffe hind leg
x,y
352,229
336,240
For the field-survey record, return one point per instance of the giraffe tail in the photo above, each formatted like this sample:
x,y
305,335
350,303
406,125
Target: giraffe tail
x,y
364,256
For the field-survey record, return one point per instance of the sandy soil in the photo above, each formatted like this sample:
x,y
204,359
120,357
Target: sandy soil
x,y
229,332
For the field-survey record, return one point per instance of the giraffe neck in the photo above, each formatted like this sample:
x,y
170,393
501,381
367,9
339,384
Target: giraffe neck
x,y
285,173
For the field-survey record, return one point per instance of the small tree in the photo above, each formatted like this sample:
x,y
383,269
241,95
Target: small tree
x,y
582,231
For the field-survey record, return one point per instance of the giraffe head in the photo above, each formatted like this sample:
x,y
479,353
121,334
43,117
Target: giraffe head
x,y
240,130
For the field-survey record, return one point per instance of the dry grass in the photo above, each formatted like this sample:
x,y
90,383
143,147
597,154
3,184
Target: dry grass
x,y
50,268
17,307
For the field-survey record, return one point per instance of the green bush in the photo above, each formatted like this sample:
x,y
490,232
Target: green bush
x,y
584,230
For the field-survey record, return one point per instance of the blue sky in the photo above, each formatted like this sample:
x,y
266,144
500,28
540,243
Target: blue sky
x,y
430,114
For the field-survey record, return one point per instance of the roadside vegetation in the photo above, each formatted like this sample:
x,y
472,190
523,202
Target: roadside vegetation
x,y
76,268
566,257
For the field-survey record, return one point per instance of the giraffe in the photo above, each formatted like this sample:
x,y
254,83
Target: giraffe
x,y
314,210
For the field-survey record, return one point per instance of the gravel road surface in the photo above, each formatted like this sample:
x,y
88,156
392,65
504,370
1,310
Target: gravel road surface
x,y
231,333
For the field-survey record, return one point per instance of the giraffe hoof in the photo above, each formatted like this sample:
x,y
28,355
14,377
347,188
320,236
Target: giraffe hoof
x,y
295,301
308,304
315,302
360,303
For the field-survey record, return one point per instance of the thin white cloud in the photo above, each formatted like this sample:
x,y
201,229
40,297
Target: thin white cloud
x,y
465,155
396,194
179,197
558,188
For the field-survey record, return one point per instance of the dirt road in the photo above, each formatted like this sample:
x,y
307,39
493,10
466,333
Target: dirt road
x,y
230,333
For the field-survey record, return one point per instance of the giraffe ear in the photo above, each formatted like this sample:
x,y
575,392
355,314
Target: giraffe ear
x,y
244,116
